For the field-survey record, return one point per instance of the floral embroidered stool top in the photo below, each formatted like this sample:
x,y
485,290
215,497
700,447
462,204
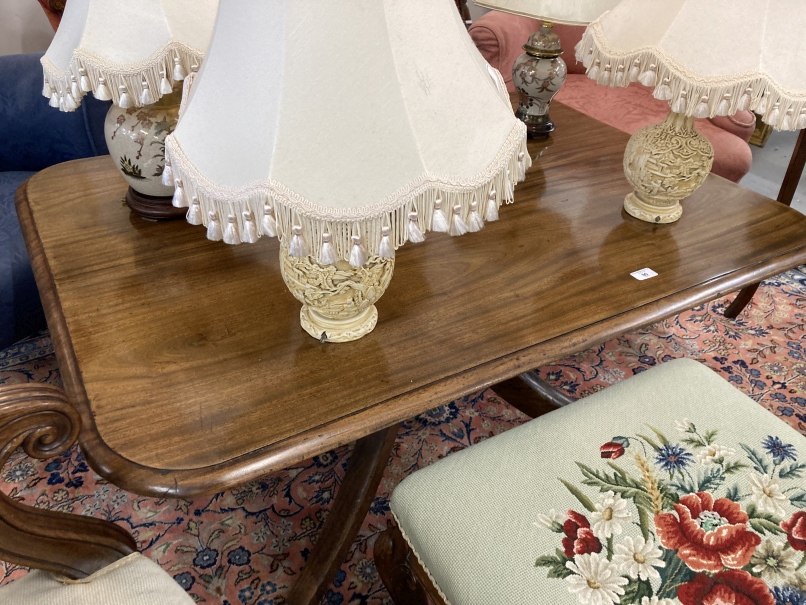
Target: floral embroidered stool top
x,y
669,487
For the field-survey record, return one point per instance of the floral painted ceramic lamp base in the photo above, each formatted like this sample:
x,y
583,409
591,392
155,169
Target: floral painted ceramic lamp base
x,y
136,140
538,75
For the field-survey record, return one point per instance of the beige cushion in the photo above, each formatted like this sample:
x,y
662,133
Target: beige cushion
x,y
491,523
133,580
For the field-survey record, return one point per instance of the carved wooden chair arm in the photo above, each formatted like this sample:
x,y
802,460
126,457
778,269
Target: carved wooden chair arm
x,y
39,418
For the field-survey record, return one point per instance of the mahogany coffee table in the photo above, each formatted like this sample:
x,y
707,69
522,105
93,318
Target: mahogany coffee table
x,y
187,364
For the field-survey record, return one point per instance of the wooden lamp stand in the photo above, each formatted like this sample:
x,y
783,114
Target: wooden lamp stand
x,y
152,207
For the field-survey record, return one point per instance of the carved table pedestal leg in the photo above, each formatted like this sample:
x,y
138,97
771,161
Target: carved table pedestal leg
x,y
364,473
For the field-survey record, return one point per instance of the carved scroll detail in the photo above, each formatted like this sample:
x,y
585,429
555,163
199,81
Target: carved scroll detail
x,y
39,418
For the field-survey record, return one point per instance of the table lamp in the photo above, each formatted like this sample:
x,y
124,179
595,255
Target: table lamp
x,y
706,58
540,72
345,129
135,54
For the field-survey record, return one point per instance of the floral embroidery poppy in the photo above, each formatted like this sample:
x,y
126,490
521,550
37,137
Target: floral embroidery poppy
x,y
732,586
707,534
611,450
579,538
795,530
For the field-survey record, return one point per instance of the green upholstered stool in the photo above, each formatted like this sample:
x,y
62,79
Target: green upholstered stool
x,y
671,486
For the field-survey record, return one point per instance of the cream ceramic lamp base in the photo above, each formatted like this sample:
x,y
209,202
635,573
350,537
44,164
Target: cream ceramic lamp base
x,y
338,301
665,163
136,141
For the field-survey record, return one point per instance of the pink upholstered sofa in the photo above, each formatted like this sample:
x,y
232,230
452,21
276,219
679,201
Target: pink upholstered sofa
x,y
500,36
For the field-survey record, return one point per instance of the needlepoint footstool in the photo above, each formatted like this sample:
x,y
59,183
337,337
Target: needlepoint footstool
x,y
671,486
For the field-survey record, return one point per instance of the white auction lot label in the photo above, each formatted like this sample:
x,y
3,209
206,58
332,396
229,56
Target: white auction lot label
x,y
643,274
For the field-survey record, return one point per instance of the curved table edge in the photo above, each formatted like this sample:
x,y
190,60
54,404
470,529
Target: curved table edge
x,y
188,483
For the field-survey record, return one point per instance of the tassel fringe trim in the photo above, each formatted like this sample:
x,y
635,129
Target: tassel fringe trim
x,y
187,84
689,93
133,86
380,229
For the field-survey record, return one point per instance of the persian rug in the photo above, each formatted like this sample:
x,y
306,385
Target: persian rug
x,y
246,546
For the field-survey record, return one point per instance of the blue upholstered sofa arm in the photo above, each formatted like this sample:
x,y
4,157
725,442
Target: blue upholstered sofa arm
x,y
33,136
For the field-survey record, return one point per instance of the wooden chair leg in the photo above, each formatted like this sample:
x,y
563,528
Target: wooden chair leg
x,y
364,472
794,171
742,299
785,195
401,572
39,418
531,394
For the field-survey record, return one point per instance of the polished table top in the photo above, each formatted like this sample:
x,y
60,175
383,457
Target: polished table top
x,y
192,374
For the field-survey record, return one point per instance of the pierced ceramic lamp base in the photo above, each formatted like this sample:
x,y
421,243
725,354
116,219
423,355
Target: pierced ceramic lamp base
x,y
665,163
538,75
338,301
136,141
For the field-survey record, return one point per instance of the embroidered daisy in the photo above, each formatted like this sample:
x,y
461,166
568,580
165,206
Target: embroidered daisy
x,y
638,558
766,494
657,601
553,520
774,562
611,512
707,455
595,580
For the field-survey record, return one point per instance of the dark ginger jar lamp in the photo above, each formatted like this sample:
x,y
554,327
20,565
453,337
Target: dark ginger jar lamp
x,y
540,72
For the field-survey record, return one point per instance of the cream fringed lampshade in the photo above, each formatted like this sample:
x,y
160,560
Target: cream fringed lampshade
x,y
568,12
343,118
706,57
136,54
129,52
346,129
